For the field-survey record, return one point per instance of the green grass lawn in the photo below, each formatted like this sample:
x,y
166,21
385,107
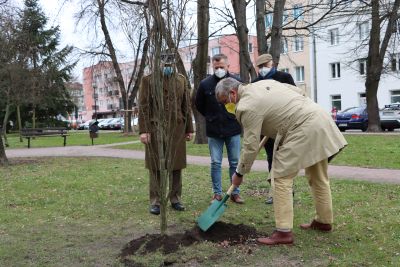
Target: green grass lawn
x,y
75,138
376,151
82,211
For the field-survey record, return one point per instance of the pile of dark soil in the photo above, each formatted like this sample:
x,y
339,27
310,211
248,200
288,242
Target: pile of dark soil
x,y
222,233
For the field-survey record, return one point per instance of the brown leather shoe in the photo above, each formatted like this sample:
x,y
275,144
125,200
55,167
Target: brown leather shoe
x,y
324,227
277,238
216,197
237,199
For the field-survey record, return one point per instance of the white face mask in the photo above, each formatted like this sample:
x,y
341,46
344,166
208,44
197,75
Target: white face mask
x,y
220,73
264,71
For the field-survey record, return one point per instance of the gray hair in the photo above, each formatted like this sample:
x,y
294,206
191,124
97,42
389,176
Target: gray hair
x,y
224,85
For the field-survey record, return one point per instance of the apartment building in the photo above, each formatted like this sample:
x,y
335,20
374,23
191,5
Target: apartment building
x,y
339,66
102,95
76,92
225,44
295,44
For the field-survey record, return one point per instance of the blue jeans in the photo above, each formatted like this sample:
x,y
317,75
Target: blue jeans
x,y
216,146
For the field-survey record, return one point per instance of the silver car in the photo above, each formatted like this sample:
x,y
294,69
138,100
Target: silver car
x,y
390,117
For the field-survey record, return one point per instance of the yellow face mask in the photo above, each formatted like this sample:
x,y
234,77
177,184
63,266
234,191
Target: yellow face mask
x,y
230,107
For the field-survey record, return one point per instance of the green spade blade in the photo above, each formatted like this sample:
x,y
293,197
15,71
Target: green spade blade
x,y
211,215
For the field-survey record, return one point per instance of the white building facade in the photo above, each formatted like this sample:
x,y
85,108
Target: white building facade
x,y
338,64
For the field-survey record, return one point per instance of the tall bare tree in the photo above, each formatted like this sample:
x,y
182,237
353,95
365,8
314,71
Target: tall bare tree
x,y
380,14
260,26
200,64
247,70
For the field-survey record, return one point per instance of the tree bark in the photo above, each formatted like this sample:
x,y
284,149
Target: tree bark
x,y
200,65
113,56
375,61
276,31
5,121
3,156
19,120
260,26
247,70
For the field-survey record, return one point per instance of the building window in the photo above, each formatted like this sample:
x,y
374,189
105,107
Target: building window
x,y
335,70
362,65
285,70
299,73
285,17
363,30
298,43
362,99
268,20
298,12
250,48
336,102
216,50
395,62
284,45
395,96
334,36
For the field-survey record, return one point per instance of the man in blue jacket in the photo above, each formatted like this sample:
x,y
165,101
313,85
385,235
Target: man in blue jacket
x,y
222,127
266,71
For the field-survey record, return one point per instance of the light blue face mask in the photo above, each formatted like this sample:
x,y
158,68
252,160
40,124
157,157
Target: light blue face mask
x,y
168,70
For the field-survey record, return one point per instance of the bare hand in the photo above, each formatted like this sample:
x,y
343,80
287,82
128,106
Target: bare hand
x,y
189,136
236,180
145,138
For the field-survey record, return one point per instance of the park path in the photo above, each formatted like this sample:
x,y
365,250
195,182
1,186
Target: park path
x,y
340,172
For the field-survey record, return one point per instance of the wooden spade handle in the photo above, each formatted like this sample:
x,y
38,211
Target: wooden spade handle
x,y
230,190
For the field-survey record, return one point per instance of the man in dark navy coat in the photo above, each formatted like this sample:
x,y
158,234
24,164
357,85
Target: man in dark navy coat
x,y
222,127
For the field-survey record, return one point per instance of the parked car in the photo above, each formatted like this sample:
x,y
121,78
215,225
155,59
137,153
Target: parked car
x,y
84,125
352,118
105,124
134,122
116,123
390,117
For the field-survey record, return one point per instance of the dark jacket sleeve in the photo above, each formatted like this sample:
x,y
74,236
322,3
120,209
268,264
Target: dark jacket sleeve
x,y
289,79
200,99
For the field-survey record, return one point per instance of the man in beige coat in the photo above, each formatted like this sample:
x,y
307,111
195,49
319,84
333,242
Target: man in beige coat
x,y
305,137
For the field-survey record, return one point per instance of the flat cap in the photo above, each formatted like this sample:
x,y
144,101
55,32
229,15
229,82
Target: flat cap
x,y
264,58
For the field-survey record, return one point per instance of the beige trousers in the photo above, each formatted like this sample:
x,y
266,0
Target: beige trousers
x,y
175,187
283,199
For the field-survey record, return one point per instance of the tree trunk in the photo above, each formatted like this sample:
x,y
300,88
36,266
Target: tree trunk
x,y
3,156
34,117
19,121
276,31
200,65
260,26
246,67
111,50
374,69
5,122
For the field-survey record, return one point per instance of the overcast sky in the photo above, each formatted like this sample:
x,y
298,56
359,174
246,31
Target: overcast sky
x,y
61,13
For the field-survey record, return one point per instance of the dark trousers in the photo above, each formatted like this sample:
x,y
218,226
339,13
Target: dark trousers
x,y
174,185
269,149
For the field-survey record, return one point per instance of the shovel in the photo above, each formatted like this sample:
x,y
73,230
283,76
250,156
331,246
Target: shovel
x,y
215,210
